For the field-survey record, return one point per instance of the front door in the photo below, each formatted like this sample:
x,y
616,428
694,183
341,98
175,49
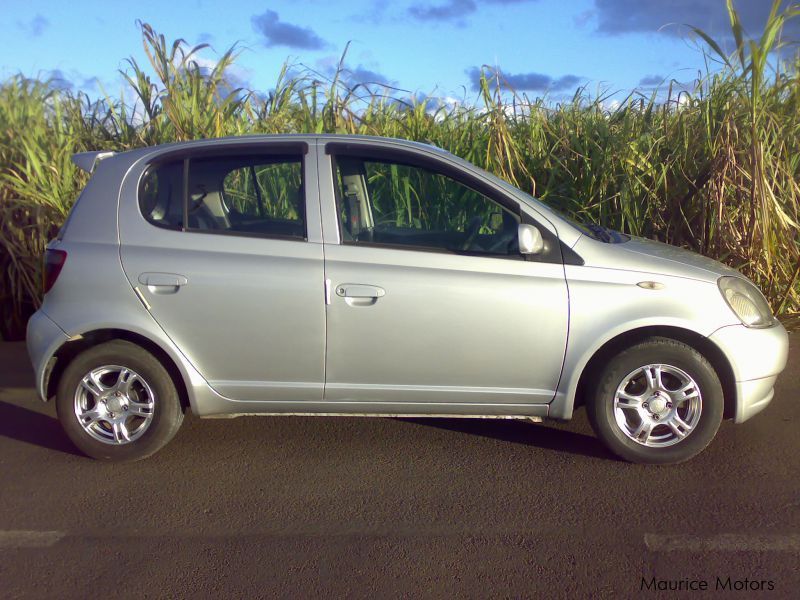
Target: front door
x,y
430,301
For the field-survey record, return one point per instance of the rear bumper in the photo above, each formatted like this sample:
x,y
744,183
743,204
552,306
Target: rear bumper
x,y
43,338
757,357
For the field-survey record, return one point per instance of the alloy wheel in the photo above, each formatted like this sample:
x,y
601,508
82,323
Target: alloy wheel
x,y
657,405
114,404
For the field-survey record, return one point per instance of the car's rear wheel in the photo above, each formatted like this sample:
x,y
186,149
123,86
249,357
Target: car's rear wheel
x,y
117,402
658,402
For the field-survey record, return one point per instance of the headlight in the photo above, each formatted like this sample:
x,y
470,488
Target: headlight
x,y
747,301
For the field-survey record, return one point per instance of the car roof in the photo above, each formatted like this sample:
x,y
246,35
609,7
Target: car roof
x,y
88,161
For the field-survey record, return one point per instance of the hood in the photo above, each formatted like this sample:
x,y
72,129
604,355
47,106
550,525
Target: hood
x,y
640,254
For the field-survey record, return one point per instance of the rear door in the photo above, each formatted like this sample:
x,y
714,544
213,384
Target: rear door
x,y
431,303
224,245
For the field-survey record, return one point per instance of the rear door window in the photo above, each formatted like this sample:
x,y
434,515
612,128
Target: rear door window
x,y
236,195
265,196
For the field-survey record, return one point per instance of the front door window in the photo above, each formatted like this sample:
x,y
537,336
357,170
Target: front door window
x,y
393,204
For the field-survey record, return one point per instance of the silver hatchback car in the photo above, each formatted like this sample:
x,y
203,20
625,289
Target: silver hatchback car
x,y
343,275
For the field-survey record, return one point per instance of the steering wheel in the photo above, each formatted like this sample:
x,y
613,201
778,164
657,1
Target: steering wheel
x,y
504,242
471,232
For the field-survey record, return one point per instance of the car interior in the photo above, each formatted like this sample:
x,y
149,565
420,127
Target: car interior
x,y
379,202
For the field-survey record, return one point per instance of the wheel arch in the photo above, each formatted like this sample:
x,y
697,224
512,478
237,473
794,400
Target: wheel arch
x,y
64,355
708,349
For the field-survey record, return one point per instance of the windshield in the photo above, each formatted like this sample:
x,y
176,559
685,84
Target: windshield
x,y
591,230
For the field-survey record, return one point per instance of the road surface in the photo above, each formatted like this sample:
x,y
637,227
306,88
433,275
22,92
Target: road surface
x,y
303,507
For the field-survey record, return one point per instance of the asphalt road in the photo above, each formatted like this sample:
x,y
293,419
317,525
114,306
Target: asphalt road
x,y
307,507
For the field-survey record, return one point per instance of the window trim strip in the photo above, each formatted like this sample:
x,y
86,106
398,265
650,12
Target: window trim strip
x,y
185,195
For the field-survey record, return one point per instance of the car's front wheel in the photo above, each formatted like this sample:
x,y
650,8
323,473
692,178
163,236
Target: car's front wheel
x,y
117,402
658,402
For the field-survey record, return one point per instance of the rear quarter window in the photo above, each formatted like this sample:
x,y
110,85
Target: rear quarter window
x,y
160,195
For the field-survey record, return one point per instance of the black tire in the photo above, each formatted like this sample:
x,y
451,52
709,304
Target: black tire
x,y
167,414
664,351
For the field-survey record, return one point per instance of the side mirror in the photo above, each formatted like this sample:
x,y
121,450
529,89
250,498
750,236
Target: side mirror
x,y
530,239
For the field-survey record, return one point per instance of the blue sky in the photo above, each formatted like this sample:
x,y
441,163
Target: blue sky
x,y
542,47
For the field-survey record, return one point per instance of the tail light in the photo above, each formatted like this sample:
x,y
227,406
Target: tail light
x,y
53,263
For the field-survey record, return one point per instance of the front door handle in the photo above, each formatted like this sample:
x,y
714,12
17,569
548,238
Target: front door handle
x,y
357,290
357,294
163,283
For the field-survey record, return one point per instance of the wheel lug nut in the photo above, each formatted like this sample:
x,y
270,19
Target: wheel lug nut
x,y
655,417
669,404
645,405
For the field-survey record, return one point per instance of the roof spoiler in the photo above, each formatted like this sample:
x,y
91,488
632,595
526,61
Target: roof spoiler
x,y
88,160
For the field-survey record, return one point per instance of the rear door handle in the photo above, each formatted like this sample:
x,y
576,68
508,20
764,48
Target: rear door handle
x,y
163,283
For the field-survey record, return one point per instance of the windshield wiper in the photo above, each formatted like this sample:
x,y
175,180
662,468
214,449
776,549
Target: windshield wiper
x,y
601,233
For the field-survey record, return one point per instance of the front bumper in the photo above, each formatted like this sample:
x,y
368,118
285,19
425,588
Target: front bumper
x,y
43,338
757,357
